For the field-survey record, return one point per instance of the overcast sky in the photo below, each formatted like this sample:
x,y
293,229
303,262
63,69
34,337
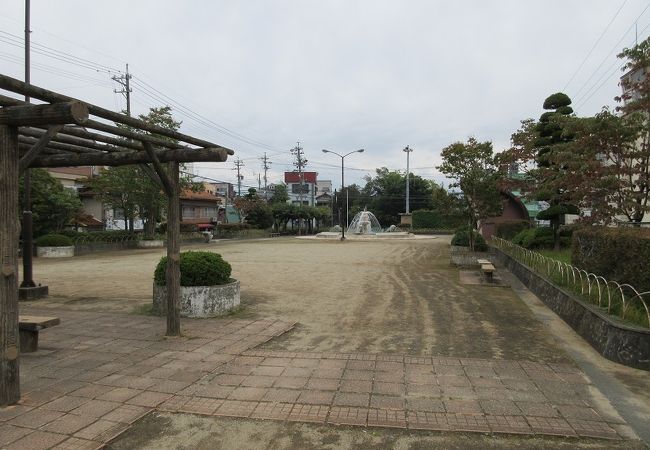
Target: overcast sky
x,y
257,76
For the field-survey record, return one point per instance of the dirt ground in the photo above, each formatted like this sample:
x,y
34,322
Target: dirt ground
x,y
378,297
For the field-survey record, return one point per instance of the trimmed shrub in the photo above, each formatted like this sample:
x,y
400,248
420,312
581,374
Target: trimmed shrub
x,y
618,254
541,237
509,229
197,269
461,238
53,240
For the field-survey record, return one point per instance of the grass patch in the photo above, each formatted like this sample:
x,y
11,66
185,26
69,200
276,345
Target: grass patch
x,y
563,255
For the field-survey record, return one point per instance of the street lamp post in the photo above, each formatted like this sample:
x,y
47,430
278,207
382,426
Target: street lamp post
x,y
343,184
408,151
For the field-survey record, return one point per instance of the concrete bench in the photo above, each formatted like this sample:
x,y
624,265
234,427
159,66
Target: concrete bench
x,y
29,326
488,270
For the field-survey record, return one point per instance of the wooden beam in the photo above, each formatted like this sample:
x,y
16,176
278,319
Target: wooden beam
x,y
79,142
33,152
19,87
54,114
162,175
9,232
126,158
173,274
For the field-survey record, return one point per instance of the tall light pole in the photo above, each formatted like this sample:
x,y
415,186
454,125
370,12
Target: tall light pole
x,y
343,184
408,151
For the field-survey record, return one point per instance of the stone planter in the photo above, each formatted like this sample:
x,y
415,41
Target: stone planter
x,y
200,301
155,243
55,252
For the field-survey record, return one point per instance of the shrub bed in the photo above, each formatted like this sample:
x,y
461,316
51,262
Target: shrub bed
x,y
54,240
618,254
197,269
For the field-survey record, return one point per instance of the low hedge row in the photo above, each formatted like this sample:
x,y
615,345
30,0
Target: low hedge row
x,y
618,254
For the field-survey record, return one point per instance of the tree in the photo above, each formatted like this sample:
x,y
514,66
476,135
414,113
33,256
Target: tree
x,y
472,167
280,194
53,206
386,194
131,189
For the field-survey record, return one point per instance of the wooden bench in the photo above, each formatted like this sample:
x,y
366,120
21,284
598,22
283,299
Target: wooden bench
x,y
29,326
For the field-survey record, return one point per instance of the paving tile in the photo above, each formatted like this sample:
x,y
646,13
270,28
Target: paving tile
x,y
65,403
201,405
74,443
236,408
316,397
281,395
345,415
35,418
308,413
425,404
462,406
549,425
578,412
508,424
272,411
323,384
535,409
69,424
9,412
596,429
351,399
270,371
467,422
360,375
126,414
361,387
247,393
500,407
95,408
422,420
174,403
258,381
10,433
119,394
37,440
291,382
148,399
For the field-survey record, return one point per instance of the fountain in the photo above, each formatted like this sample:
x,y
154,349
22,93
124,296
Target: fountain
x,y
364,222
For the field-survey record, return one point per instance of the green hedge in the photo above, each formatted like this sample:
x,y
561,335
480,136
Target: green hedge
x,y
53,240
618,254
197,269
461,238
427,219
509,229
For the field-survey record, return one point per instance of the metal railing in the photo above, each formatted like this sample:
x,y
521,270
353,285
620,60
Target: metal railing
x,y
616,298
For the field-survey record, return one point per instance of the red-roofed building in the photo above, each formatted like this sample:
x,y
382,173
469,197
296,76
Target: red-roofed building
x,y
308,187
203,209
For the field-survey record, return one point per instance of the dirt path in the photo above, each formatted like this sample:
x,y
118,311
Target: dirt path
x,y
379,297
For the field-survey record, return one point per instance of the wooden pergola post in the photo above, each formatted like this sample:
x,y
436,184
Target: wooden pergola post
x,y
173,254
9,226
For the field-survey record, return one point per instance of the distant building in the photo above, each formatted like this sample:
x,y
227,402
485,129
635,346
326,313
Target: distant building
x,y
301,190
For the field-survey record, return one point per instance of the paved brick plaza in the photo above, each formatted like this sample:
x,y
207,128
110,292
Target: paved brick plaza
x,y
97,373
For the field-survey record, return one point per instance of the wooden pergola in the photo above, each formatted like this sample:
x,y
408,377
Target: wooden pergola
x,y
64,132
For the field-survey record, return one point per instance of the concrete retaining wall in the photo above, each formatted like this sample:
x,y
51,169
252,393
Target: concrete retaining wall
x,y
622,343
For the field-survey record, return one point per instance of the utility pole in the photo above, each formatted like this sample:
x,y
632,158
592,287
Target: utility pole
x,y
266,165
300,163
408,151
124,81
238,165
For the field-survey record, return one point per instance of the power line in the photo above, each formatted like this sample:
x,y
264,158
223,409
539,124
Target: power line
x,y
595,45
